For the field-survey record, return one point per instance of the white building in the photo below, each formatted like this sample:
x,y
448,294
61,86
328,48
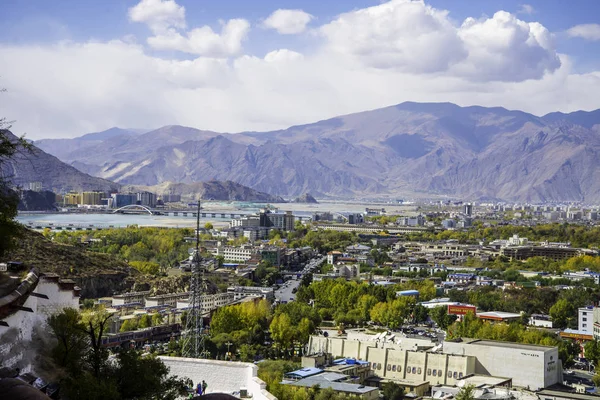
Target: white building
x,y
240,292
232,253
245,222
210,302
530,366
17,329
585,321
346,271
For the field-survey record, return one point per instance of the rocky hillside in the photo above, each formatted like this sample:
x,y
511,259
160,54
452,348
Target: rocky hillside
x,y
211,190
55,175
36,201
305,198
97,274
411,149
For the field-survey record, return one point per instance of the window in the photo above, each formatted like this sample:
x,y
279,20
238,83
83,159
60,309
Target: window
x,y
428,371
455,374
399,368
389,367
449,374
393,368
419,370
435,372
584,318
408,370
414,370
379,366
460,374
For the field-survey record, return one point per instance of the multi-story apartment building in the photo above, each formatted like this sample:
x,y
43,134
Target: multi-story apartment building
x,y
92,198
232,253
171,198
147,199
249,221
585,321
129,298
72,199
283,221
123,199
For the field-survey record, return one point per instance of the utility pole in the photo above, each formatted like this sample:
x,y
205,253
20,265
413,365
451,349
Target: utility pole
x,y
193,334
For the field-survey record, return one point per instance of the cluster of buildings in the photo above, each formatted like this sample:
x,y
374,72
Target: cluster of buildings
x,y
426,368
257,227
115,200
170,306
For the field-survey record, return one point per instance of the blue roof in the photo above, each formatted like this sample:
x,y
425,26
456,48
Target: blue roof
x,y
349,361
304,372
408,293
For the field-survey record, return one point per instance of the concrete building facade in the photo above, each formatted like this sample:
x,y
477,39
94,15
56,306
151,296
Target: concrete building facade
x,y
530,366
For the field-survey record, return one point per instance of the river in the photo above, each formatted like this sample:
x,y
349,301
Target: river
x,y
124,220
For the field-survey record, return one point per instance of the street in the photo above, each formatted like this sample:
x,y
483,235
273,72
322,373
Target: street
x,y
284,292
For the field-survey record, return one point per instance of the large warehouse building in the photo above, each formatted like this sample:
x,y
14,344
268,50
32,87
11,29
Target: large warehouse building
x,y
530,366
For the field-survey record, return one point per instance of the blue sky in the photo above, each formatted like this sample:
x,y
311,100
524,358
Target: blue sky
x,y
71,67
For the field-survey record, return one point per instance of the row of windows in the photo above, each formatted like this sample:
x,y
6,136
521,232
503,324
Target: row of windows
x,y
417,370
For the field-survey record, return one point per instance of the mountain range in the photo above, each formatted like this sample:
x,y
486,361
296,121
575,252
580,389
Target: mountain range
x,y
38,166
410,149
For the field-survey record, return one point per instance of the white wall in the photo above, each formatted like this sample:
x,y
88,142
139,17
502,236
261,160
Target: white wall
x,y
21,324
221,376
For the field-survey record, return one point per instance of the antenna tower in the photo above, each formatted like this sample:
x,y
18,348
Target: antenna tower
x,y
193,334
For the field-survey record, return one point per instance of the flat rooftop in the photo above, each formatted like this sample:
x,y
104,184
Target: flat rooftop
x,y
511,345
484,380
337,386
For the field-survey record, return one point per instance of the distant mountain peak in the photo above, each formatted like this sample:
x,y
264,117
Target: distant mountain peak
x,y
408,149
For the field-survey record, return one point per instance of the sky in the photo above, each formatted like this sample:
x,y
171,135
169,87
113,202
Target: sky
x,y
72,67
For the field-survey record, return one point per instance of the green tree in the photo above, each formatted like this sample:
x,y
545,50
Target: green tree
x,y
392,391
145,321
440,316
420,314
282,331
467,392
592,351
563,313
71,340
129,325
596,379
147,378
157,319
208,226
146,267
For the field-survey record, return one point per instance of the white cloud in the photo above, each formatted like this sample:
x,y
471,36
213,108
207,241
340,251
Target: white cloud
x,y
288,22
393,52
407,35
507,49
585,31
413,37
205,41
526,9
159,15
166,19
